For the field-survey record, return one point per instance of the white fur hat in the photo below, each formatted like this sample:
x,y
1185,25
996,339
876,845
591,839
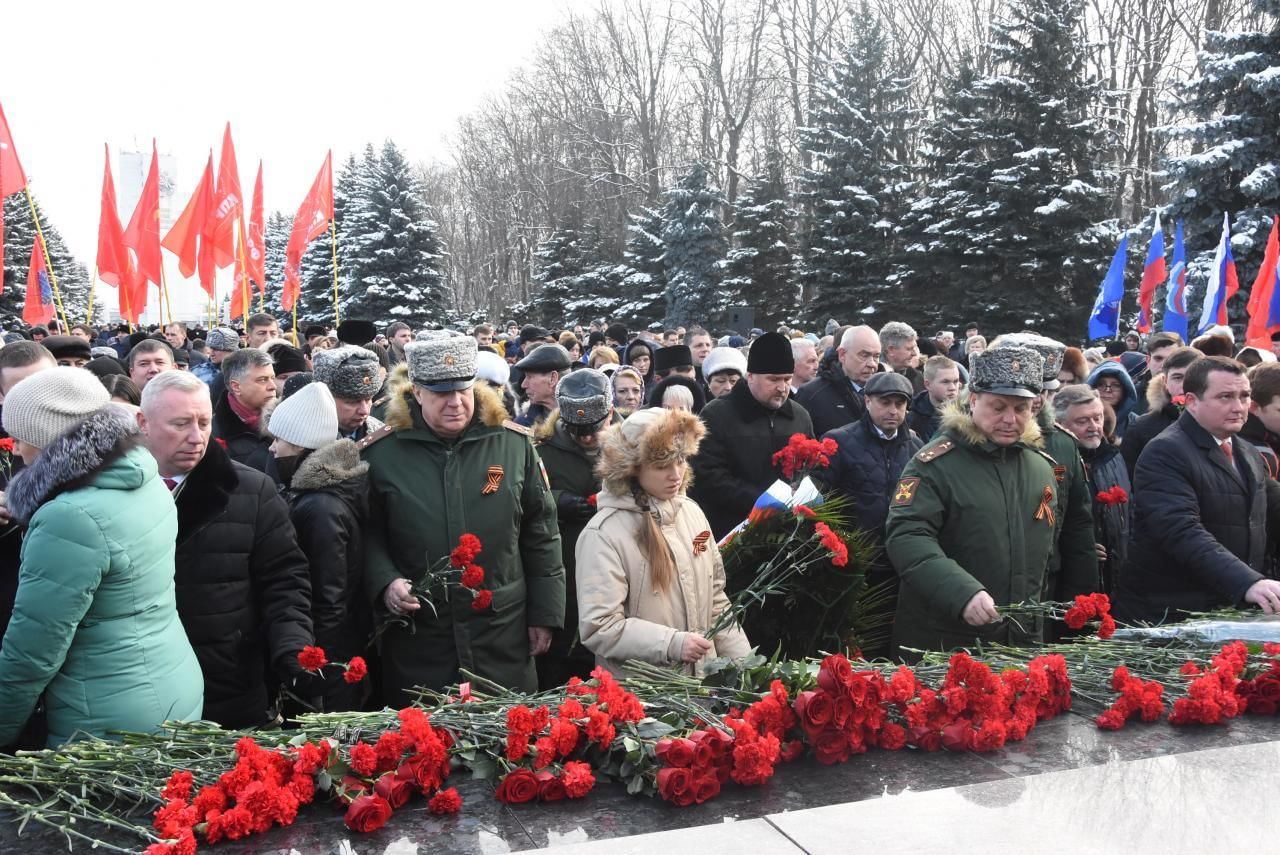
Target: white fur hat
x,y
308,418
724,359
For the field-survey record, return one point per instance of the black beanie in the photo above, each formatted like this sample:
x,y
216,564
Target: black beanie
x,y
771,354
617,332
675,356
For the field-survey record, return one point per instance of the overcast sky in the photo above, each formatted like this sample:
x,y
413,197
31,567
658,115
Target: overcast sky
x,y
294,79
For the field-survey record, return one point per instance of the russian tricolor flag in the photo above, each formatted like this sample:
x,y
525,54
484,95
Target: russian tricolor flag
x,y
1153,273
1223,283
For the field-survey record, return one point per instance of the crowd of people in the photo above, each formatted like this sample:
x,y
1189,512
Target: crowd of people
x,y
186,509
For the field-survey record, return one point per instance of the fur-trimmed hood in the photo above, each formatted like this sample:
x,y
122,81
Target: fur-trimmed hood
x,y
489,408
654,436
957,419
1157,393
74,460
328,466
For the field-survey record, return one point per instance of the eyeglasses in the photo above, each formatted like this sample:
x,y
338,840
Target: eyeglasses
x,y
1109,387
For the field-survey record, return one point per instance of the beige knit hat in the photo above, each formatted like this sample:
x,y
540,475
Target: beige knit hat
x,y
47,404
308,418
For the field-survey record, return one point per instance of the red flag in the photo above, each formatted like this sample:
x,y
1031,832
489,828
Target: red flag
x,y
12,178
242,291
38,306
181,239
311,221
143,233
115,265
228,202
257,241
1263,293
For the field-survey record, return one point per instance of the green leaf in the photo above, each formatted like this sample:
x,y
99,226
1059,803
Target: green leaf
x,y
635,786
483,768
652,728
630,745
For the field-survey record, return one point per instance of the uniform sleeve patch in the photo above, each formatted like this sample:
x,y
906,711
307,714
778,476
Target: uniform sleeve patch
x,y
906,492
1060,473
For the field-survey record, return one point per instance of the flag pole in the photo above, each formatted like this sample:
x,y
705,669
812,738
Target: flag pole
x,y
333,243
165,299
93,286
245,286
44,244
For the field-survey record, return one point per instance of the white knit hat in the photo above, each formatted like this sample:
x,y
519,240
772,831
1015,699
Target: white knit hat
x,y
308,418
724,359
492,368
47,404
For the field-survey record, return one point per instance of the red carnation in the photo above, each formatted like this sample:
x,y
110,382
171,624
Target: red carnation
x,y
466,551
578,779
356,671
367,813
481,601
178,787
517,787
445,801
473,576
312,658
593,499
364,759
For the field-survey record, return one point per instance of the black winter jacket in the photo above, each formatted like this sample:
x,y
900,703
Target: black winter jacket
x,y
830,399
328,505
1141,432
1199,526
735,463
1104,468
244,444
244,593
866,469
923,417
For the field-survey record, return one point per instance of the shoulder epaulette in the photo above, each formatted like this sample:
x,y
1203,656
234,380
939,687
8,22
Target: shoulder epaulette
x,y
1046,455
373,436
932,453
517,427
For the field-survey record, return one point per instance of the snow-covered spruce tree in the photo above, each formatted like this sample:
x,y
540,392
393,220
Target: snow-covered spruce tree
x,y
695,249
275,235
1233,166
759,269
1012,228
857,185
390,253
635,291
568,266
19,237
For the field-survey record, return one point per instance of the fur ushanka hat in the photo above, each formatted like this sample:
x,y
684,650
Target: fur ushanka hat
x,y
654,436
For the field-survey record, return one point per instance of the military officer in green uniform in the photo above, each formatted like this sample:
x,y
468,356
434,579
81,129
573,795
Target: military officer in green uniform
x,y
569,444
1073,569
448,463
972,522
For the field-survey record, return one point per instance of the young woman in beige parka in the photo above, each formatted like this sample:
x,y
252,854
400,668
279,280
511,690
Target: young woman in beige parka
x,y
650,578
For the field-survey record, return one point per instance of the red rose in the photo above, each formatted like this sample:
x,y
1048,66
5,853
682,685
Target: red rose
x,y
958,736
831,746
445,801
422,771
577,779
357,670
924,738
481,601
705,787
815,710
395,790
835,668
791,750
550,788
842,711
676,752
1261,706
312,658
517,787
1267,690
674,785
367,813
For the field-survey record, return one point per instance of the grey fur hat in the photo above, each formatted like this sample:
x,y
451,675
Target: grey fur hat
x,y
442,362
1007,370
584,397
221,338
1051,350
349,371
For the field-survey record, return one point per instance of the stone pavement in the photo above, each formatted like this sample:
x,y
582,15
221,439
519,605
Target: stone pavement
x,y
1067,787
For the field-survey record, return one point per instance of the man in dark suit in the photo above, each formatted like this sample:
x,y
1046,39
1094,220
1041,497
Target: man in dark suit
x,y
1202,507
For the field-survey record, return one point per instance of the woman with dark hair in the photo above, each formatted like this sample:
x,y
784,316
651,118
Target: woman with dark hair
x,y
122,390
95,626
650,578
639,355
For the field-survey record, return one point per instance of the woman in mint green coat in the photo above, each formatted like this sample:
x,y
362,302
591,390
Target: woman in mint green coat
x,y
95,626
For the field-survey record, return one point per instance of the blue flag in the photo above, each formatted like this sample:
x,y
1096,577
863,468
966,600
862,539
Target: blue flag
x,y
1175,302
1105,320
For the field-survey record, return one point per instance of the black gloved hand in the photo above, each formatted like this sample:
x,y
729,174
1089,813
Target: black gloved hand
x,y
574,508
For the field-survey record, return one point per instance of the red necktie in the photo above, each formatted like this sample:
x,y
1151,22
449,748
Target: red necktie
x,y
1226,449
171,484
